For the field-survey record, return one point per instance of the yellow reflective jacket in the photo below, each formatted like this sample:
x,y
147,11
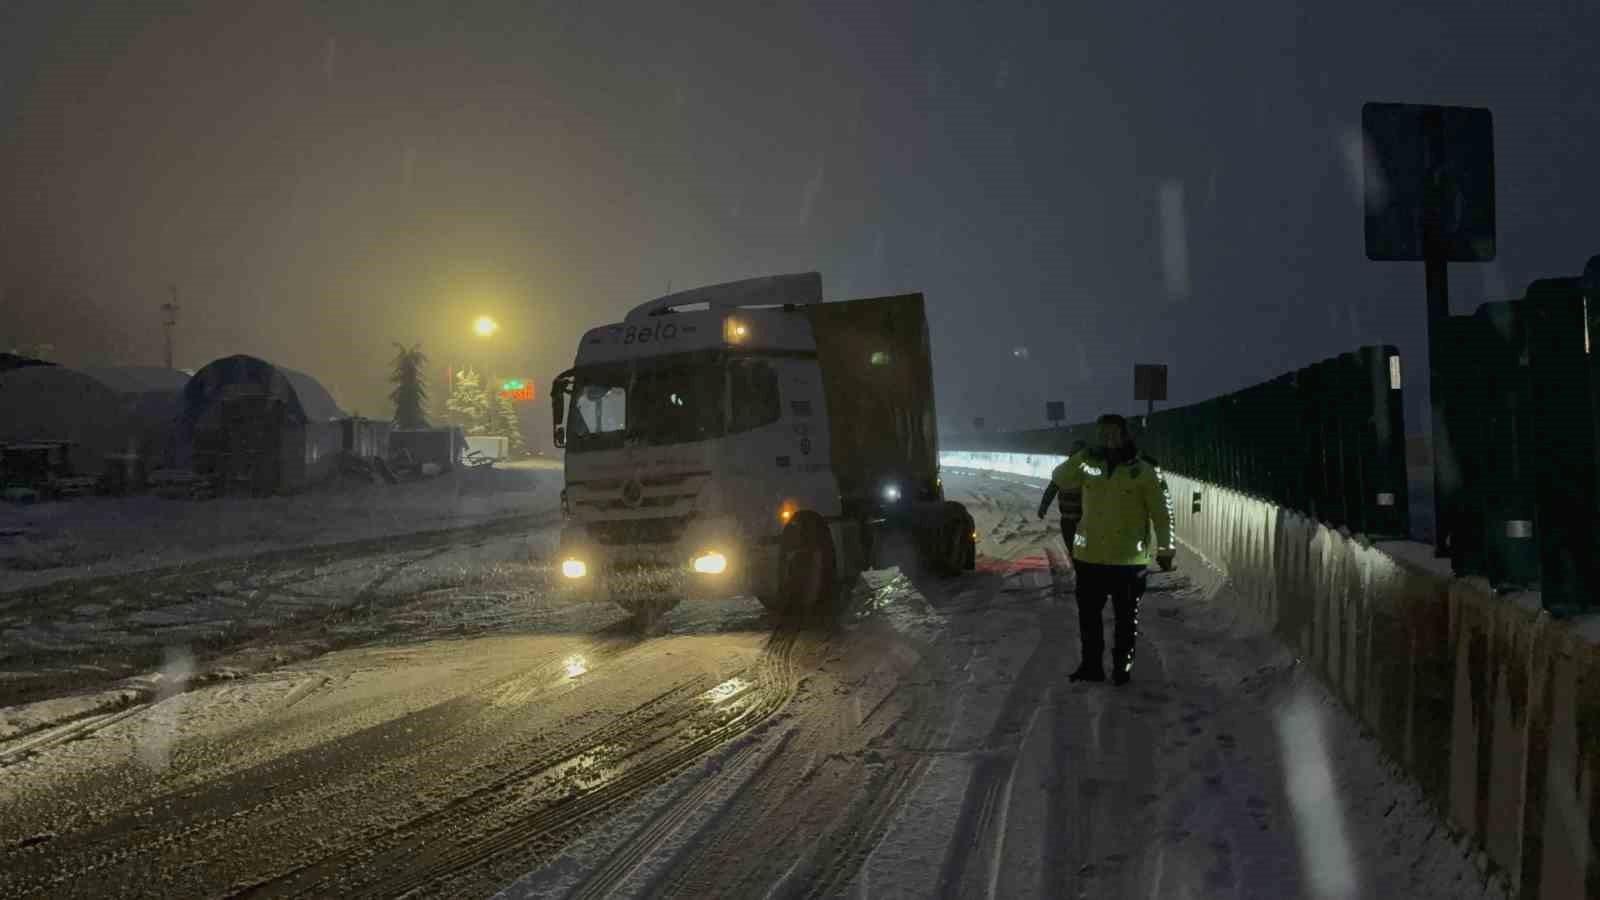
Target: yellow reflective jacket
x,y
1119,507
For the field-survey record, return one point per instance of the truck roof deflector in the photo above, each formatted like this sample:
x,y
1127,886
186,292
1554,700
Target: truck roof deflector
x,y
776,290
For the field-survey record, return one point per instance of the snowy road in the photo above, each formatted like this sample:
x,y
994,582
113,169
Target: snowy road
x,y
463,739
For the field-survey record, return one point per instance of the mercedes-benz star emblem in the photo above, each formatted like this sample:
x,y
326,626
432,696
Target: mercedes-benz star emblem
x,y
633,492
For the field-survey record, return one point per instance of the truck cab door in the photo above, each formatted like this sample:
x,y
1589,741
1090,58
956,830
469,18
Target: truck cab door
x,y
776,406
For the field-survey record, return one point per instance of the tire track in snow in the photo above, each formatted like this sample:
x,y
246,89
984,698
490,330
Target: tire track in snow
x,y
435,854
327,776
970,860
659,831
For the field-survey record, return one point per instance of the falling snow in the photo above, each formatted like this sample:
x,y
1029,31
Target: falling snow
x,y
1174,240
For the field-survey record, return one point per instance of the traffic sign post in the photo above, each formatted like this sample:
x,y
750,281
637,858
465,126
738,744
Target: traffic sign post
x,y
1149,385
1429,188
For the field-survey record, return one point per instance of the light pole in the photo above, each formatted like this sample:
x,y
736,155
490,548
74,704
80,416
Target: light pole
x,y
170,321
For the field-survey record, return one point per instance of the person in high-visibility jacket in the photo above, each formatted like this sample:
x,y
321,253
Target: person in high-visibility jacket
x,y
1071,503
1124,495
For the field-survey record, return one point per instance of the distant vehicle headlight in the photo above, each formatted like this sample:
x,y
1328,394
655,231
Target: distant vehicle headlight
x,y
574,568
712,563
891,492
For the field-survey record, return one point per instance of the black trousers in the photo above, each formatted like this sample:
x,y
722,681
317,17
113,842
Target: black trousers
x,y
1123,586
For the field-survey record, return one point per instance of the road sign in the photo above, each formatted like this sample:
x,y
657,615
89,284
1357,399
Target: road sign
x,y
516,390
1149,382
1055,410
1429,186
1425,158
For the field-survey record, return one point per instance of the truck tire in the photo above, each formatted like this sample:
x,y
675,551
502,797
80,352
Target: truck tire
x,y
949,545
806,584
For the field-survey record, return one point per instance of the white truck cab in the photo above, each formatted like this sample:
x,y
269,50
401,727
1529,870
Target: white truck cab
x,y
700,458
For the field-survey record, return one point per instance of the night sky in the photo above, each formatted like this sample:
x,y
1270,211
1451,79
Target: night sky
x,y
1103,184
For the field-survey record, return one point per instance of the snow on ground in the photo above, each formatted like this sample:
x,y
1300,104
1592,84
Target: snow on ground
x,y
937,750
259,617
92,536
1224,770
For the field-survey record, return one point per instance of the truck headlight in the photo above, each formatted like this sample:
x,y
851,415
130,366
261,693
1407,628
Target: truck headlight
x,y
710,563
574,568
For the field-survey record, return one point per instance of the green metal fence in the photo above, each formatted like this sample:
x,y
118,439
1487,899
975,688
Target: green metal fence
x,y
1520,445
1519,451
1328,439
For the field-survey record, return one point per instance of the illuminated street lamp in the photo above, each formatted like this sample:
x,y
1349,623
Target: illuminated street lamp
x,y
485,326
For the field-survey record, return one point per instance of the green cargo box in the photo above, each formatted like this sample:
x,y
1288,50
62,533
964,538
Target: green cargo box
x,y
878,380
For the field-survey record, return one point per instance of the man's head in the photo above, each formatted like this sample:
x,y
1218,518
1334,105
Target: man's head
x,y
1113,430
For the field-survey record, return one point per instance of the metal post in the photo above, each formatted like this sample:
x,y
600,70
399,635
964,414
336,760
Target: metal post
x,y
169,320
1435,262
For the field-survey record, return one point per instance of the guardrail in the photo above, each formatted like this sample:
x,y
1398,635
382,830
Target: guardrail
x,y
1518,443
1489,706
1328,439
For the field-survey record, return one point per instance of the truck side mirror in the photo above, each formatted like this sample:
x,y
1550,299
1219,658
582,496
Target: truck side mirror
x,y
561,436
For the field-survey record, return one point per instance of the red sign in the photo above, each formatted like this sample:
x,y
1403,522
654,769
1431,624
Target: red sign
x,y
523,394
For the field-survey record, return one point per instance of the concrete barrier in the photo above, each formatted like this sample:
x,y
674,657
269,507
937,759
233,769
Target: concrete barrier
x,y
1489,705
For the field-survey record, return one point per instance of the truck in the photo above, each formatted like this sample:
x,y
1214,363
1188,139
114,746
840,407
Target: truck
x,y
748,438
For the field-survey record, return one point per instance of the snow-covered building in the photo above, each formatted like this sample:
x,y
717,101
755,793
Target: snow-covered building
x,y
103,412
261,428
9,361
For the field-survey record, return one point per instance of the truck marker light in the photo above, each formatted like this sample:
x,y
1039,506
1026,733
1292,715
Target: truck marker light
x,y
786,511
574,568
711,563
734,331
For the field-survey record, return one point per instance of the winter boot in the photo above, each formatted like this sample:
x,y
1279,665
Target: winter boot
x,y
1088,672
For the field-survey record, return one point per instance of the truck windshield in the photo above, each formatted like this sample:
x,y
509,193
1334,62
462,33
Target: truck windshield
x,y
673,400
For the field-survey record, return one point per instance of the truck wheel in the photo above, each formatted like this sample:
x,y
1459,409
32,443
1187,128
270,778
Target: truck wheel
x,y
951,542
805,575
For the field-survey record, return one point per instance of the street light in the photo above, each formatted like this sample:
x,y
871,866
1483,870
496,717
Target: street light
x,y
485,326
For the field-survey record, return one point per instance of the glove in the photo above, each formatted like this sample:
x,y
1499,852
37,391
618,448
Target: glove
x,y
1164,560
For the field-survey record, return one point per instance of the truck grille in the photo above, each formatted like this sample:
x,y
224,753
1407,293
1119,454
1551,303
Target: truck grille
x,y
663,500
663,530
666,493
645,578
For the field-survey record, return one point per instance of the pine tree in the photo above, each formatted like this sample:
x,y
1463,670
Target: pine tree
x,y
504,420
493,414
410,394
469,403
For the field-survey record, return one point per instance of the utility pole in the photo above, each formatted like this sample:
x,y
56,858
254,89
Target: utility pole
x,y
170,321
